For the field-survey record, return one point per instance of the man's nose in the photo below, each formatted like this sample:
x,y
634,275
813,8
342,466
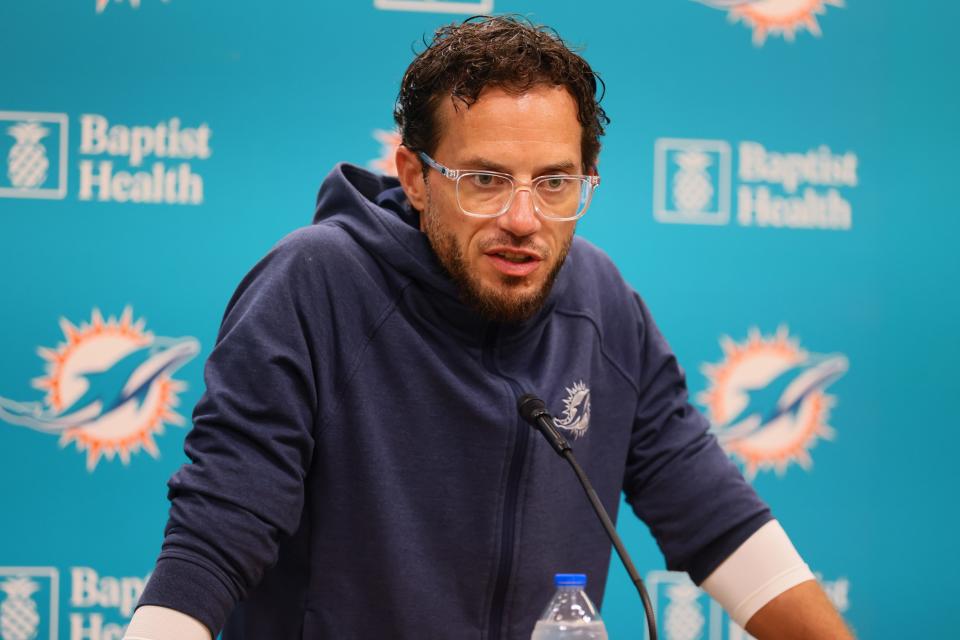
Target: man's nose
x,y
521,219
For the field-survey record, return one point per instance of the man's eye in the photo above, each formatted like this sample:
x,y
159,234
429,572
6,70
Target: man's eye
x,y
486,180
555,184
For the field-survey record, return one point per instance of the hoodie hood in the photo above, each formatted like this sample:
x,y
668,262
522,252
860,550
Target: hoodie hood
x,y
374,210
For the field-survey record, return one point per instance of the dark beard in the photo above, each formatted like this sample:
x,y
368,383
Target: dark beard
x,y
495,305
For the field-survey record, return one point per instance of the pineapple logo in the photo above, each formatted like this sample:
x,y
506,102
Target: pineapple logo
x,y
389,141
775,17
19,618
686,612
691,181
27,162
34,146
437,6
684,618
767,400
682,610
109,387
692,190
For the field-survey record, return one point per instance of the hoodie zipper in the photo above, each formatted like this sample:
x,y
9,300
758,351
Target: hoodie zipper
x,y
519,446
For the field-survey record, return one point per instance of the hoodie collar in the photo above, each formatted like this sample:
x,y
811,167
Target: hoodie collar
x,y
375,212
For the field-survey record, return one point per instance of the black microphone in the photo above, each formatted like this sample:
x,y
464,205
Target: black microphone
x,y
533,410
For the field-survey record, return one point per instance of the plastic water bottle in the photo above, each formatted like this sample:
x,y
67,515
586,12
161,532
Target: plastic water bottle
x,y
570,614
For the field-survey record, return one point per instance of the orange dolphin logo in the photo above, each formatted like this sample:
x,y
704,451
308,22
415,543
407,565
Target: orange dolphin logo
x,y
775,17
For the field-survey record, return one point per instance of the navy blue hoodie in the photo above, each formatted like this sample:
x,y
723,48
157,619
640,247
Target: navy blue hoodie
x,y
359,469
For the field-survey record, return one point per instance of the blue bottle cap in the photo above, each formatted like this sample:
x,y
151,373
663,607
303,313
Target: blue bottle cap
x,y
570,580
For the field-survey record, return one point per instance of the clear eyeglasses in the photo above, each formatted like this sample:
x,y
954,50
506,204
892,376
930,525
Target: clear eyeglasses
x,y
488,194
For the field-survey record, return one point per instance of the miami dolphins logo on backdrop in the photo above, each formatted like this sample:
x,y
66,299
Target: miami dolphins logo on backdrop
x,y
775,17
108,387
576,410
389,141
767,400
102,4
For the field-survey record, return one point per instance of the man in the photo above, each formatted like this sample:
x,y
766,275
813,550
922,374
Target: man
x,y
358,466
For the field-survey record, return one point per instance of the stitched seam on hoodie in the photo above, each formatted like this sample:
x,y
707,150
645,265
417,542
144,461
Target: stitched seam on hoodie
x,y
603,349
328,417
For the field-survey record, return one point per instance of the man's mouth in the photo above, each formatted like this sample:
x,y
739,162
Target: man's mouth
x,y
514,262
514,257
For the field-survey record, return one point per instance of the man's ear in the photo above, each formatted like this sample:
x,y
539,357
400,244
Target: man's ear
x,y
410,173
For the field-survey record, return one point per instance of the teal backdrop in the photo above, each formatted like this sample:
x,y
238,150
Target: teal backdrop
x,y
776,184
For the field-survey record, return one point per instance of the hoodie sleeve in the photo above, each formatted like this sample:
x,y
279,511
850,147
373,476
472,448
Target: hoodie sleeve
x,y
250,447
678,480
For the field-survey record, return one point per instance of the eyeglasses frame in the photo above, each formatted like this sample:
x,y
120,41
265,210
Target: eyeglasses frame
x,y
456,174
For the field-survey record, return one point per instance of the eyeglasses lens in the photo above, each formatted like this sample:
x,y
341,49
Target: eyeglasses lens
x,y
487,194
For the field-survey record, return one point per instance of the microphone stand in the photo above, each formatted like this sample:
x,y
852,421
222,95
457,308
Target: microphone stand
x,y
533,410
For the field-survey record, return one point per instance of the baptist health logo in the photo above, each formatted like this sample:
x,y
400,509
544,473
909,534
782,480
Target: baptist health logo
x,y
767,400
131,145
472,7
99,606
29,605
108,387
775,17
34,146
112,163
685,612
693,184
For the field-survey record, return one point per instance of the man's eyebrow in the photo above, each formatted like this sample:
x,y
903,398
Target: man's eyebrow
x,y
479,162
485,164
561,167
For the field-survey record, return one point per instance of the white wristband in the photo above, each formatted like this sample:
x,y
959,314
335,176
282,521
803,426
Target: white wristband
x,y
763,567
160,623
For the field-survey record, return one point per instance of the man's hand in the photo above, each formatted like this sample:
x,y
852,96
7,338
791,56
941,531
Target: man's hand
x,y
802,612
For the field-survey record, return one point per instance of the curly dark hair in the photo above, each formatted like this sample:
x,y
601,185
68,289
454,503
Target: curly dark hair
x,y
504,51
